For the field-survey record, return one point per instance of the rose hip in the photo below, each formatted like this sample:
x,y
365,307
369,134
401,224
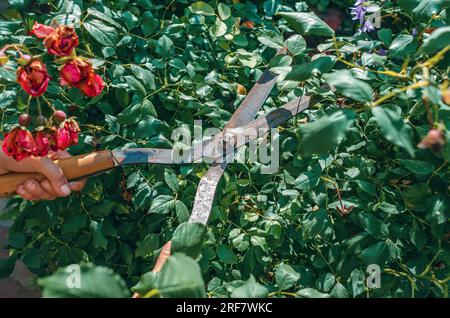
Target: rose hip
x,y
25,120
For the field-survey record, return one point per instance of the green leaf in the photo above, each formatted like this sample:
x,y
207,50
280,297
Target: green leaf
x,y
403,46
162,204
7,266
349,86
165,46
307,23
136,86
311,293
149,126
286,276
202,8
101,32
148,246
226,254
325,133
84,281
181,277
393,128
408,5
339,291
358,279
418,166
182,211
224,11
375,254
146,283
171,179
319,66
385,35
436,41
146,76
427,8
188,238
296,44
271,7
250,289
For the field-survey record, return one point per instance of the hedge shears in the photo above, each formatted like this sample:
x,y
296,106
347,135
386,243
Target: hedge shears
x,y
101,161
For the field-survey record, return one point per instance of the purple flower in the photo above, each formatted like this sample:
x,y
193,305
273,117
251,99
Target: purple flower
x,y
382,52
414,32
359,11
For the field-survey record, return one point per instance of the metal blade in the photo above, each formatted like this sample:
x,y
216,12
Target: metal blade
x,y
248,109
143,155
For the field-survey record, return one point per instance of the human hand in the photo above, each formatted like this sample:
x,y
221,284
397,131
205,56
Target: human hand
x,y
54,186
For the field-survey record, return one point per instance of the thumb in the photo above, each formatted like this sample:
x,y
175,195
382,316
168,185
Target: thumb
x,y
55,175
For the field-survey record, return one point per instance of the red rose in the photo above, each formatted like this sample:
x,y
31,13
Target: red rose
x,y
19,143
79,73
67,134
33,77
45,141
41,30
61,41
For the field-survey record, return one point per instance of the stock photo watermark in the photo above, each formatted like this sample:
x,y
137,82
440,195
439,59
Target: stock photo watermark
x,y
232,145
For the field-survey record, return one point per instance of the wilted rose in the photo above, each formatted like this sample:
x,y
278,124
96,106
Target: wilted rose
x,y
19,144
33,77
62,41
41,31
67,134
80,73
45,141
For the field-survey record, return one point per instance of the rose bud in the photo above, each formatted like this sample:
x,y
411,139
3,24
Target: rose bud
x,y
41,31
434,140
62,41
67,134
59,116
33,78
41,121
45,141
19,144
24,120
79,73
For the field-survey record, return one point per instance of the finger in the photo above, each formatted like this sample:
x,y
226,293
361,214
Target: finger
x,y
36,190
77,186
25,194
60,154
163,256
48,188
55,175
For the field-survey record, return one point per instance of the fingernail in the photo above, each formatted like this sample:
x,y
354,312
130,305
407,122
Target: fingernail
x,y
20,190
65,189
30,185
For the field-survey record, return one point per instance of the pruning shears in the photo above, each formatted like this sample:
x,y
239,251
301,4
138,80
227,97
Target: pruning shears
x,y
101,161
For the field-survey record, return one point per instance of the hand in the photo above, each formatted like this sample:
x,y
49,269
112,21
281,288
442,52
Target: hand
x,y
56,184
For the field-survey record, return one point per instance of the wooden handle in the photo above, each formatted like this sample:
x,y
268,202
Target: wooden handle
x,y
73,168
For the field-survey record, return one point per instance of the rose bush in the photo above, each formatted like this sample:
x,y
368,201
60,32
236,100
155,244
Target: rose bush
x,y
364,176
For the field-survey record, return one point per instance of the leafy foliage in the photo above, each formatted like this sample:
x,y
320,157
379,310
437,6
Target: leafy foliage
x,y
353,188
